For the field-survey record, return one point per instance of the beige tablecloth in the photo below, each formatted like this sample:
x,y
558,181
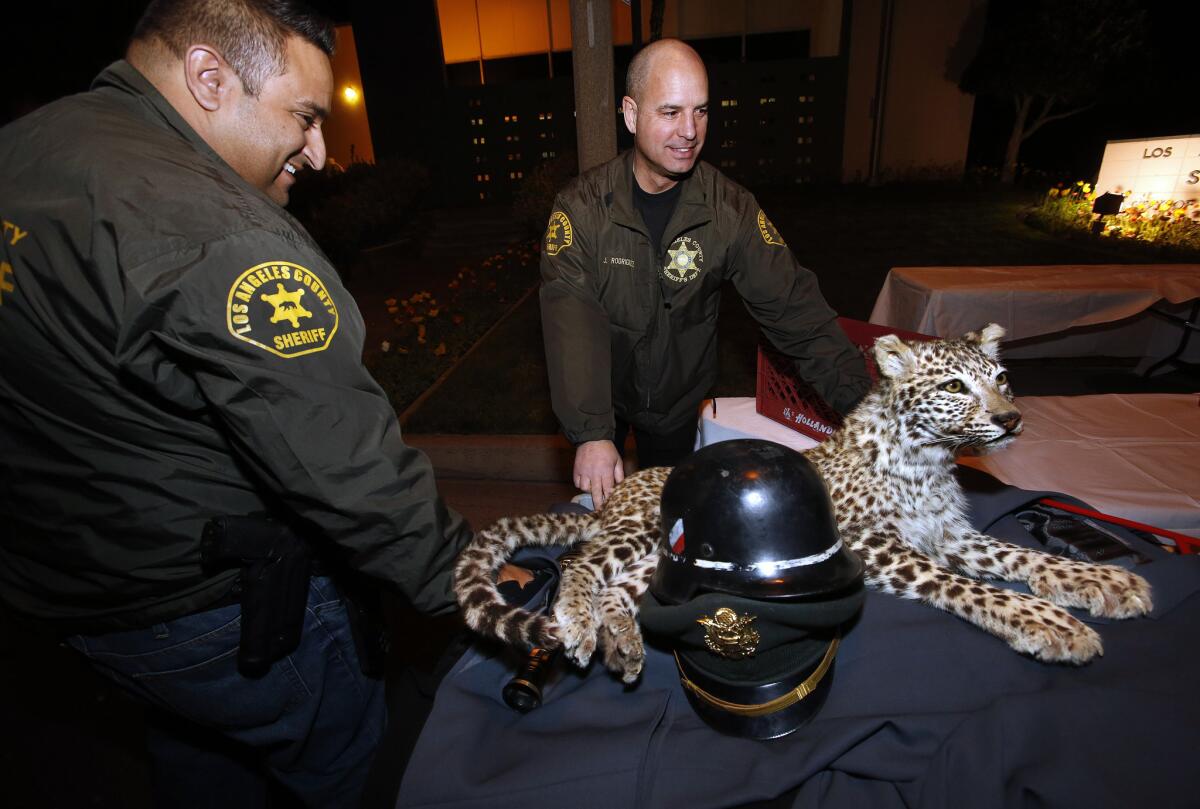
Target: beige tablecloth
x,y
1133,456
1088,309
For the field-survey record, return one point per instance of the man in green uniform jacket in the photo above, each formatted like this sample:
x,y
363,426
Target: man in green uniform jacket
x,y
634,258
176,347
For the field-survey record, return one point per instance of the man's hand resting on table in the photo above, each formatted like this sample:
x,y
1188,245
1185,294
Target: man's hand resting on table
x,y
598,469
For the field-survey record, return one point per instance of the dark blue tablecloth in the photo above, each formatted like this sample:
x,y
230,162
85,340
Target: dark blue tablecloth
x,y
925,710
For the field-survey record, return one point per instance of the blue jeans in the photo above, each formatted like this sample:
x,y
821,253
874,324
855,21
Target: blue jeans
x,y
313,721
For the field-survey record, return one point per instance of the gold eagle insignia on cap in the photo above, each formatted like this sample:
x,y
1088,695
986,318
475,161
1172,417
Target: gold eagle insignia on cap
x,y
729,635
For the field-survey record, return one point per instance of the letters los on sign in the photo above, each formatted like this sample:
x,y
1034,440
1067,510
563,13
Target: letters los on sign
x,y
1152,169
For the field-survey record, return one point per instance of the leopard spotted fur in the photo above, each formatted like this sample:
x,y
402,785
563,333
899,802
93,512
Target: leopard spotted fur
x,y
608,576
889,470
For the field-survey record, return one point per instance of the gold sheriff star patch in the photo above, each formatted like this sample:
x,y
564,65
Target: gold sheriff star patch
x,y
282,308
769,233
559,234
684,260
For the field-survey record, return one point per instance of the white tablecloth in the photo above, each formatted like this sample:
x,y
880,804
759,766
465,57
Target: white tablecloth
x,y
1133,456
1048,311
735,417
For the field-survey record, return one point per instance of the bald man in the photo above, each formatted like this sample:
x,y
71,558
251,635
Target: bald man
x,y
634,258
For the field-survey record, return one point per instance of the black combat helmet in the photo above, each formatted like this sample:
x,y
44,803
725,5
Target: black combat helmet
x,y
753,586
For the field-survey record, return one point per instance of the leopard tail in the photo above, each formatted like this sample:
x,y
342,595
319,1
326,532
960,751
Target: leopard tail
x,y
484,609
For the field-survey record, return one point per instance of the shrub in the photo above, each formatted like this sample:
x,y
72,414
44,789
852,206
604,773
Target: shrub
x,y
533,200
368,203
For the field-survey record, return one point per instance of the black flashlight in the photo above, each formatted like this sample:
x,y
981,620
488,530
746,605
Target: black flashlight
x,y
523,692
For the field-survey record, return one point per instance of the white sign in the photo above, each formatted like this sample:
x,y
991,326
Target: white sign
x,y
1161,168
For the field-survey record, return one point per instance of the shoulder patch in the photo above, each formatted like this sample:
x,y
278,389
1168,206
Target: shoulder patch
x,y
559,234
769,234
282,308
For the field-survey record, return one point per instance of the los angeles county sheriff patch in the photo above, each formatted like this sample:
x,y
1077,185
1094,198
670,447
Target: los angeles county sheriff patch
x,y
283,308
769,233
559,235
684,260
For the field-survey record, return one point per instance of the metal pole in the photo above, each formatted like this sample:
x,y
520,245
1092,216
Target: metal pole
x,y
595,114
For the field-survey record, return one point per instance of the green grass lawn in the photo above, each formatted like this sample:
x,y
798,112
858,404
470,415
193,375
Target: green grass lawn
x,y
849,236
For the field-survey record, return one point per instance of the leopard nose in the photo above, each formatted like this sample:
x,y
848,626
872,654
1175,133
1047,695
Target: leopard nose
x,y
1009,421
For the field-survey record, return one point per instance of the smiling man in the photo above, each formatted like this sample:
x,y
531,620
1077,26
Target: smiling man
x,y
634,259
177,349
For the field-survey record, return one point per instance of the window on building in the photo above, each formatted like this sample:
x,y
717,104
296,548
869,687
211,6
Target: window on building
x,y
715,50
777,45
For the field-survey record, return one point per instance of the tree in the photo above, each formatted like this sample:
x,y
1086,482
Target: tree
x,y
1053,60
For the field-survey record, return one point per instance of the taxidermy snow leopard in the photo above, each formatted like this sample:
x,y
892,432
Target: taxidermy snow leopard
x,y
890,472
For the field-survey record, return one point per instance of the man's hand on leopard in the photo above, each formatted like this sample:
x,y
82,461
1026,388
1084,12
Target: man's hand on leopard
x,y
598,468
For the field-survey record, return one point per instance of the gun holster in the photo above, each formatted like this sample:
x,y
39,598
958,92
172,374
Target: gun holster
x,y
276,565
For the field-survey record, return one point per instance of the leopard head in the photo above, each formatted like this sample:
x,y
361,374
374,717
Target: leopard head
x,y
949,393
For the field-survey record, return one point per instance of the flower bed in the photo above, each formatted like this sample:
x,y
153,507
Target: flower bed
x,y
1166,224
429,331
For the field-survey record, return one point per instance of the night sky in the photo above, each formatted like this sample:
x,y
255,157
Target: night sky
x,y
55,47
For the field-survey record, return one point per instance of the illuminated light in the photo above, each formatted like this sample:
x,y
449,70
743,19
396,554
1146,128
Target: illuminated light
x,y
754,499
350,94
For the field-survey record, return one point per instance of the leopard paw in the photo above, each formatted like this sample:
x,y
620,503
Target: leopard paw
x,y
577,630
624,653
1057,637
1102,590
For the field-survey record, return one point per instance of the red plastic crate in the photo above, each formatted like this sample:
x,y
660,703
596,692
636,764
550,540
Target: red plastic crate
x,y
784,398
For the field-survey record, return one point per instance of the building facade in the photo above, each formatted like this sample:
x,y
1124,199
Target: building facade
x,y
802,92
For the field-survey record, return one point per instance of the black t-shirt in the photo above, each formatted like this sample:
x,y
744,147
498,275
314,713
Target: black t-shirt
x,y
656,210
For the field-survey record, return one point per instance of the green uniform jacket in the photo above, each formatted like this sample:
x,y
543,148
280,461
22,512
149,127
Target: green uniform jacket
x,y
631,328
176,347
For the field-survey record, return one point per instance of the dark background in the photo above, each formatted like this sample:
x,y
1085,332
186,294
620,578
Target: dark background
x,y
54,47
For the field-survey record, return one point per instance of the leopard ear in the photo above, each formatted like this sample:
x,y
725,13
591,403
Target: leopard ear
x,y
988,339
895,359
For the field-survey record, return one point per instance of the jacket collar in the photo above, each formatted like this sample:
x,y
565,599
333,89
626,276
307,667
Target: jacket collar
x,y
125,77
692,210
